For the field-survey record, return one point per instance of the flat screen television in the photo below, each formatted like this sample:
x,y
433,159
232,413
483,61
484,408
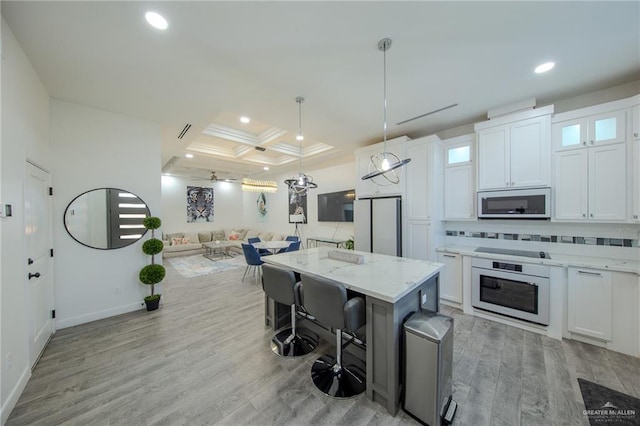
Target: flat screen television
x,y
336,206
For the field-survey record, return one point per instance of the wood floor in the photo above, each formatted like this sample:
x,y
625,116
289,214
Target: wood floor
x,y
204,358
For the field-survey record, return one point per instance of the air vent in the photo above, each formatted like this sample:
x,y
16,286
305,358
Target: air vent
x,y
184,131
261,149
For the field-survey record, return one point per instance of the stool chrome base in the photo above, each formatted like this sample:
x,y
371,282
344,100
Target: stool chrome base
x,y
286,343
344,381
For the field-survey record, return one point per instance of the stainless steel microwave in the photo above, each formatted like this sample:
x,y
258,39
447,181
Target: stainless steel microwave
x,y
515,204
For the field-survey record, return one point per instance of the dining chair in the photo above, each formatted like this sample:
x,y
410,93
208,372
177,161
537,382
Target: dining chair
x,y
294,246
262,252
252,257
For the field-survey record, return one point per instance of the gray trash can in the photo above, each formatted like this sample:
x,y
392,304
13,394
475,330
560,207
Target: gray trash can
x,y
428,349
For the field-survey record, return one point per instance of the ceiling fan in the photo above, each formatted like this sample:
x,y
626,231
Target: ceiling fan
x,y
214,178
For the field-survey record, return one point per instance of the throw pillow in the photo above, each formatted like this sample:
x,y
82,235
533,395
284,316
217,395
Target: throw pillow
x,y
204,237
186,240
217,236
176,241
170,237
234,237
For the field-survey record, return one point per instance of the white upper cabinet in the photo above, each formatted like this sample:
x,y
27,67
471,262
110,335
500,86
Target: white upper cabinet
x,y
515,154
493,158
571,188
591,184
458,178
592,176
367,188
593,130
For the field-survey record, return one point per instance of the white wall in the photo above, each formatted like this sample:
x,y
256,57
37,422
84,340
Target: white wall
x,y
235,208
227,207
97,149
25,136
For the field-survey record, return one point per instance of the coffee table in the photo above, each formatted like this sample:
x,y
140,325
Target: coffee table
x,y
220,248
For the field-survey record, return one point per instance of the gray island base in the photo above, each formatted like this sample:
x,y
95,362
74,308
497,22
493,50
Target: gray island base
x,y
393,289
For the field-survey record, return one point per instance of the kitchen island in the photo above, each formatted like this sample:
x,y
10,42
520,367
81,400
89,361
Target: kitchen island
x,y
393,288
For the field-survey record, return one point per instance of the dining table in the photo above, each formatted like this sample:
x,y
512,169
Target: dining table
x,y
272,246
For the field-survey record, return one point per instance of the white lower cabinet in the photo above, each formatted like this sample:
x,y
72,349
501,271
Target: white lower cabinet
x,y
451,279
589,310
603,309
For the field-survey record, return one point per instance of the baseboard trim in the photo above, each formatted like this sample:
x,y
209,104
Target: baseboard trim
x,y
93,316
14,395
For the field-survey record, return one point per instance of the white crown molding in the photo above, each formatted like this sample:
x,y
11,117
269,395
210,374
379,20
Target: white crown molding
x,y
270,134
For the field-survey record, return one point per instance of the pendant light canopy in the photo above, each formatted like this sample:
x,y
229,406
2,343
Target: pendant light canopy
x,y
384,166
301,183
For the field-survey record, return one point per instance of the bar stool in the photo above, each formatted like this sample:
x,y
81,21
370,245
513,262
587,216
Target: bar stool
x,y
280,285
342,376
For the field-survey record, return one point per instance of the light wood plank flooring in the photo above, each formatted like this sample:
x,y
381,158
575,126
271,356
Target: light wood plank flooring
x,y
204,358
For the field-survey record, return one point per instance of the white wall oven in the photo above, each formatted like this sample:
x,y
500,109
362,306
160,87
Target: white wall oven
x,y
514,289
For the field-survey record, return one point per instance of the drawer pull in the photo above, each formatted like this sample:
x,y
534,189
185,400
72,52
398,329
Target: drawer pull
x,y
448,255
597,274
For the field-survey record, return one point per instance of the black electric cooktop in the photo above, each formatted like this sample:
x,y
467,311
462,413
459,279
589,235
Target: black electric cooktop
x,y
522,253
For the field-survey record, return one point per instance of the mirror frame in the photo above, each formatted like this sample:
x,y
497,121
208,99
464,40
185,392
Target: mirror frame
x,y
132,241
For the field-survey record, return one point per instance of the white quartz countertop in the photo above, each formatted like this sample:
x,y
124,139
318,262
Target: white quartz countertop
x,y
387,278
611,264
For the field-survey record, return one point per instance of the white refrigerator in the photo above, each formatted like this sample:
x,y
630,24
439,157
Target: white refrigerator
x,y
378,225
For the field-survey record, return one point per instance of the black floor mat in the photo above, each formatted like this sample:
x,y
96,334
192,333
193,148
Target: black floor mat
x,y
606,406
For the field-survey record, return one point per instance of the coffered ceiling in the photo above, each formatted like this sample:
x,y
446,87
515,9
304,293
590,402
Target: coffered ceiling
x,y
220,60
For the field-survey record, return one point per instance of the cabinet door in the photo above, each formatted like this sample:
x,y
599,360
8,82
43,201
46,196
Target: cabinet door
x,y
589,303
530,153
635,215
635,117
418,244
493,154
418,186
570,185
451,277
569,134
607,128
364,188
458,192
608,182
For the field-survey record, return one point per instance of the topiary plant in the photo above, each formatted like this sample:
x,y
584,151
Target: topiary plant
x,y
154,273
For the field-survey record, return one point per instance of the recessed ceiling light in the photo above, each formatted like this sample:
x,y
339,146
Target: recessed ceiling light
x,y
244,119
544,67
189,155
265,168
156,20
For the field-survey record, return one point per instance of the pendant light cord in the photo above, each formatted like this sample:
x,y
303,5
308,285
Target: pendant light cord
x,y
384,52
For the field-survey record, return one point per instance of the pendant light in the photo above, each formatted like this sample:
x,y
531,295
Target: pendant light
x,y
301,183
255,185
384,166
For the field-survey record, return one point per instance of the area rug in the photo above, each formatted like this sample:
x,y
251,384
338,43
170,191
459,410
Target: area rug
x,y
198,265
606,406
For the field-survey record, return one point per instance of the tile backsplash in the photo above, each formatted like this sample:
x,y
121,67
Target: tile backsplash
x,y
561,239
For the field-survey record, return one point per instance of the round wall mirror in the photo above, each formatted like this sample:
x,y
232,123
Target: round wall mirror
x,y
106,218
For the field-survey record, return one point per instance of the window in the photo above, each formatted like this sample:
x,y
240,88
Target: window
x,y
459,154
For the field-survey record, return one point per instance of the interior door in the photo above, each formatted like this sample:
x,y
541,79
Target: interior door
x,y
37,211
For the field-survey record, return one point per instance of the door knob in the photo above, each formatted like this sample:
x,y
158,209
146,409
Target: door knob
x,y
584,215
29,261
36,275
